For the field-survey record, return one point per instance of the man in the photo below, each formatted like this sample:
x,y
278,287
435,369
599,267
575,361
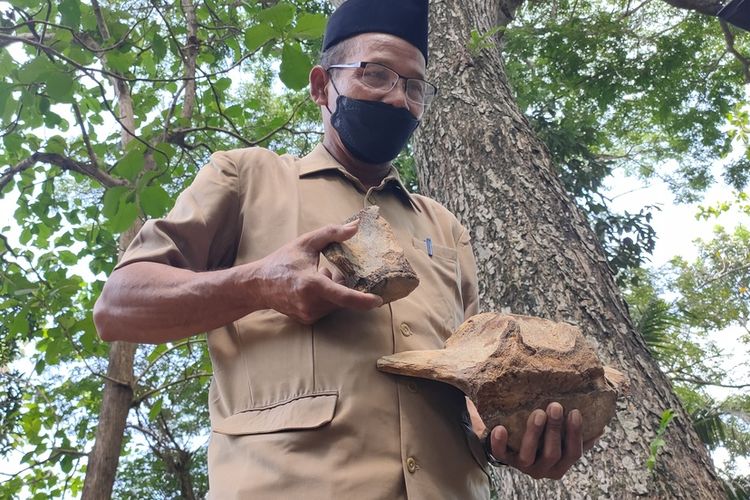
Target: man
x,y
297,406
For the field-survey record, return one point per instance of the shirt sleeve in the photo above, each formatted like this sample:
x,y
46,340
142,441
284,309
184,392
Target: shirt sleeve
x,y
201,232
467,267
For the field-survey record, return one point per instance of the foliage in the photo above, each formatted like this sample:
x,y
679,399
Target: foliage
x,y
81,169
482,41
707,296
658,442
715,289
635,86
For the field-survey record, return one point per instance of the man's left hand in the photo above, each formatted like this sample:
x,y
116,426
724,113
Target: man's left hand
x,y
550,445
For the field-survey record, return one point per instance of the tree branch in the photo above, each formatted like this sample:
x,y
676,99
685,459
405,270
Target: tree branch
x,y
724,273
187,342
7,39
190,53
89,148
701,382
140,399
177,136
64,163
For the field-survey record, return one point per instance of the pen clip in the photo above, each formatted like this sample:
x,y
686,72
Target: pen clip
x,y
428,244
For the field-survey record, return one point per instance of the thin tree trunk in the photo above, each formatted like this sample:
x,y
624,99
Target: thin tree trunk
x,y
113,415
537,255
117,397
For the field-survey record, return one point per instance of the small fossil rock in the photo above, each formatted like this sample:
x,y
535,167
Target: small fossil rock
x,y
509,365
372,261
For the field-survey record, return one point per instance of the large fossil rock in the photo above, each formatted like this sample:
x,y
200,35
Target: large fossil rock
x,y
509,365
372,261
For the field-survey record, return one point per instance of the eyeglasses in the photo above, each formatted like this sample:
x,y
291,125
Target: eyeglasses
x,y
383,79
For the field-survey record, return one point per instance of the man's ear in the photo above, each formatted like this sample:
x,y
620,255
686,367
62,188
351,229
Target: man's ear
x,y
319,86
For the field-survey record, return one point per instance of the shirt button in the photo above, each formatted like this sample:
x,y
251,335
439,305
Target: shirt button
x,y
412,386
411,465
405,330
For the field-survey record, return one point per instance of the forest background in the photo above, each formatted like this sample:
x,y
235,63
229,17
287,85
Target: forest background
x,y
107,111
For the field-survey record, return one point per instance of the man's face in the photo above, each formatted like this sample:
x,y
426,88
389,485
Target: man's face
x,y
388,50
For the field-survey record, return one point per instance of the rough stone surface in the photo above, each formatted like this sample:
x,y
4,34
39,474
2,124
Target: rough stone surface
x,y
372,261
509,365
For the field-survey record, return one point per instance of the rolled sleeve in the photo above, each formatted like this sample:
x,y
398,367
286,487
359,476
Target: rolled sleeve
x,y
201,232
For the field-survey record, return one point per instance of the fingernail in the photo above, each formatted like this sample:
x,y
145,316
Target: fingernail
x,y
539,418
556,412
352,223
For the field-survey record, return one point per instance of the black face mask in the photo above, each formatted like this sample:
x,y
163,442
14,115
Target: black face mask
x,y
372,131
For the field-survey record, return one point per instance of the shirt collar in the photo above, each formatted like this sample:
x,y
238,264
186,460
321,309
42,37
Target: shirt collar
x,y
320,160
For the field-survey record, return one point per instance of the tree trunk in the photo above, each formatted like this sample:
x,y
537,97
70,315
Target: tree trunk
x,y
105,456
117,397
537,255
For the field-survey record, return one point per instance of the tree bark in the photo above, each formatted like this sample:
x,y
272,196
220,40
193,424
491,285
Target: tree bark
x,y
537,255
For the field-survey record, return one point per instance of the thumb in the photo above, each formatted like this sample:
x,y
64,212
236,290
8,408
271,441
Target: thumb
x,y
320,238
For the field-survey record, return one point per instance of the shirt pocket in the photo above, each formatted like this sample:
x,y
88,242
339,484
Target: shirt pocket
x,y
308,411
439,288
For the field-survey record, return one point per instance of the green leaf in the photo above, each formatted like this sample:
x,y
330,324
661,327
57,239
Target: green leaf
x,y
71,13
155,201
163,154
131,164
19,325
159,47
257,36
156,352
280,15
66,464
154,411
111,200
310,26
68,258
32,70
120,61
56,144
124,218
234,111
295,67
221,84
60,86
4,95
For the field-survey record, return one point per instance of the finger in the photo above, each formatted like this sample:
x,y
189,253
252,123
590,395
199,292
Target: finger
x,y
499,444
553,432
573,440
346,297
320,238
531,436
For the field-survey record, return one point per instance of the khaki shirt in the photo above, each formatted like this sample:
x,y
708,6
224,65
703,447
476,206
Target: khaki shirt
x,y
301,411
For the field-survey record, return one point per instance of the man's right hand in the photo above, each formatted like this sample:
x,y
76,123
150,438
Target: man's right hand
x,y
292,284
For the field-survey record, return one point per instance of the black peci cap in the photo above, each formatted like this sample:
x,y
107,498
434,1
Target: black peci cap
x,y
736,12
405,19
